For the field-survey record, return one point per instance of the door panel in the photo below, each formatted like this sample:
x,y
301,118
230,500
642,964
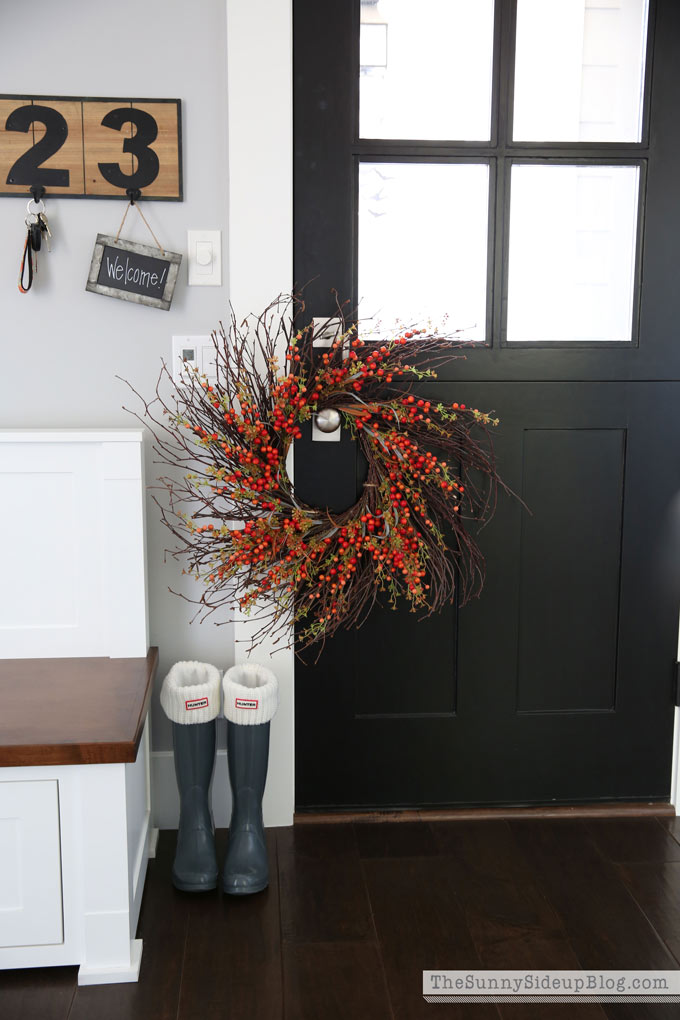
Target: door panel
x,y
569,568
406,690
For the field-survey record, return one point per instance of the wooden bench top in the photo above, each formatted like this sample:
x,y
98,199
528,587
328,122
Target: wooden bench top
x,y
84,711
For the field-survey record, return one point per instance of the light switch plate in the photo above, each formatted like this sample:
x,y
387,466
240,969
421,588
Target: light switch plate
x,y
204,261
198,352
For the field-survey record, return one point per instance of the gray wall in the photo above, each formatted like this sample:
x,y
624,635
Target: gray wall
x,y
62,347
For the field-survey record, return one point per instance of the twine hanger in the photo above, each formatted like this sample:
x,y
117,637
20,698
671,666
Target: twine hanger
x,y
133,196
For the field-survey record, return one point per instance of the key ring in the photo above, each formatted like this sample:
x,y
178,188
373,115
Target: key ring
x,y
35,212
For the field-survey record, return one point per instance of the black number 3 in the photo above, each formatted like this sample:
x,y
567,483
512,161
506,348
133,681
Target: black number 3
x,y
27,169
138,145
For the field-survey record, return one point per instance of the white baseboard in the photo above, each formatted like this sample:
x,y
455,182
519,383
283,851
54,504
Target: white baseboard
x,y
153,842
113,975
165,798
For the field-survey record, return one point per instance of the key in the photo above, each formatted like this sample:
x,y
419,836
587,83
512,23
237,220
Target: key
x,y
36,236
45,228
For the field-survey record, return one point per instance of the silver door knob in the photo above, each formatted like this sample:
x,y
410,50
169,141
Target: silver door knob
x,y
328,420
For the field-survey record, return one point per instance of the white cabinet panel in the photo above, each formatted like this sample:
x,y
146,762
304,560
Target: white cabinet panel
x,y
73,503
30,877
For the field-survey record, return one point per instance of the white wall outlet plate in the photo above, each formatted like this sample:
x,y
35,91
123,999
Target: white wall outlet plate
x,y
190,352
204,261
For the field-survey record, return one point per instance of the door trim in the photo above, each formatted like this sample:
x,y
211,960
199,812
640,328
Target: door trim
x,y
260,150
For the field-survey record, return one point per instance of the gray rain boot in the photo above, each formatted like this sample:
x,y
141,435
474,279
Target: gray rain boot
x,y
191,699
250,694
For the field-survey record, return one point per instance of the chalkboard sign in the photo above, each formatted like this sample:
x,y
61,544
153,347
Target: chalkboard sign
x,y
133,272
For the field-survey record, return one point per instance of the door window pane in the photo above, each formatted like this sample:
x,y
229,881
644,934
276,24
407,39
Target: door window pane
x,y
426,69
579,70
572,252
423,243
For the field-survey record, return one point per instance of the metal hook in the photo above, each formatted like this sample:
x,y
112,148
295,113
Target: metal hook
x,y
37,191
134,194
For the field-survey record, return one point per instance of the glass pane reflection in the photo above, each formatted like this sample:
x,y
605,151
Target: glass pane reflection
x,y
423,243
426,69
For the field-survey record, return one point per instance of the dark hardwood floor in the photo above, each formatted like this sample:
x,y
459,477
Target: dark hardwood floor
x,y
356,912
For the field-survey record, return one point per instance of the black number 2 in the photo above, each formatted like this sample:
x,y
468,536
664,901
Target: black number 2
x,y
27,169
138,145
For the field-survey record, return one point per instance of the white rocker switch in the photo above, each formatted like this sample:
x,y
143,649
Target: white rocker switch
x,y
205,258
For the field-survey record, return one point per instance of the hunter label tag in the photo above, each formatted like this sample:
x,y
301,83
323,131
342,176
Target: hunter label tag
x,y
196,703
247,703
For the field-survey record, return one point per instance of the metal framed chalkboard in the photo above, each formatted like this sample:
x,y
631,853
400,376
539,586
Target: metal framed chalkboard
x,y
133,272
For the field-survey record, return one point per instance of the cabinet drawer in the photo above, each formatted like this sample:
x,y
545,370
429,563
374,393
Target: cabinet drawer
x,y
30,864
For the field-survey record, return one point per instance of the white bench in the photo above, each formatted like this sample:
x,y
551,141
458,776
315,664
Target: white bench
x,y
75,681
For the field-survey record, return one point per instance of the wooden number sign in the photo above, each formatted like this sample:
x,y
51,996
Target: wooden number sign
x,y
94,148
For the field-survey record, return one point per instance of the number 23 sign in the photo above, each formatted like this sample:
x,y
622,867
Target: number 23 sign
x,y
90,147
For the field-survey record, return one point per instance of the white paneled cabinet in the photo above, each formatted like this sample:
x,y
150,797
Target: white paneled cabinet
x,y
73,504
30,878
73,866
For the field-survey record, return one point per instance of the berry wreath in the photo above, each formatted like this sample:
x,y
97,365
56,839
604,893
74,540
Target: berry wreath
x,y
243,531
